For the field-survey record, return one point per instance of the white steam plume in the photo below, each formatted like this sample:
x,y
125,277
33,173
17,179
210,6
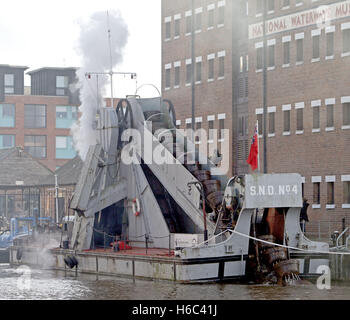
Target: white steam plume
x,y
94,50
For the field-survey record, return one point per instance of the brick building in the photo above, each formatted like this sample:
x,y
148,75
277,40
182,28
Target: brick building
x,y
220,70
307,112
38,119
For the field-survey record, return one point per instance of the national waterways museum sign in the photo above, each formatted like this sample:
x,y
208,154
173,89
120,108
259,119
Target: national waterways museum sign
x,y
320,15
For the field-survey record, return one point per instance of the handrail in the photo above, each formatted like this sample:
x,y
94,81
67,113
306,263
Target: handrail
x,y
156,114
346,241
346,229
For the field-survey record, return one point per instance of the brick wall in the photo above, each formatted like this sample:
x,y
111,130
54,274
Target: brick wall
x,y
324,153
211,97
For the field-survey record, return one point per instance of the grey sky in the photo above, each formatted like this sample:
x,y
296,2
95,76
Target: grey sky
x,y
40,33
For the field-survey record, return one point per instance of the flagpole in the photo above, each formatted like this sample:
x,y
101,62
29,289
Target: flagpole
x,y
257,129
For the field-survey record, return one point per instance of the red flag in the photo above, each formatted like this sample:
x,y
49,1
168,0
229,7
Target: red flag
x,y
254,151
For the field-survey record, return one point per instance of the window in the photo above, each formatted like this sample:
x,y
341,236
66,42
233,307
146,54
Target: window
x,y
285,3
286,53
221,66
330,192
271,56
7,141
247,63
168,30
35,146
316,117
177,27
61,85
198,19
346,114
9,84
7,115
177,76
211,130
246,87
259,6
300,50
188,73
167,78
75,113
330,115
300,120
66,116
316,192
270,5
346,192
271,122
316,47
330,44
286,120
346,40
34,116
221,13
64,147
259,58
188,22
210,69
210,18
61,112
198,71
221,128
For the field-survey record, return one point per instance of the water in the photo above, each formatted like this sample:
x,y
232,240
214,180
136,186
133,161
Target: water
x,y
47,285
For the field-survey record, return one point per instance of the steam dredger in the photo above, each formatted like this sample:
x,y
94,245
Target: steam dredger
x,y
150,205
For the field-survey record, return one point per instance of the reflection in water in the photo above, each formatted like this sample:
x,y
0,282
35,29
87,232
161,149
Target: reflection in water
x,y
58,285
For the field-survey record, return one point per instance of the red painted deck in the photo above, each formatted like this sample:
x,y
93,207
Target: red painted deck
x,y
150,252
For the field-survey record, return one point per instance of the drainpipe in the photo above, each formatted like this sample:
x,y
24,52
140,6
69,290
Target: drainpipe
x,y
193,68
264,87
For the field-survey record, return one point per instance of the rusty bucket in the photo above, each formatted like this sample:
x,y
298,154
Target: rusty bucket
x,y
275,254
287,267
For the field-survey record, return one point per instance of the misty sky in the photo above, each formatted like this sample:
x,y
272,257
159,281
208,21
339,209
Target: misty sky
x,y
44,33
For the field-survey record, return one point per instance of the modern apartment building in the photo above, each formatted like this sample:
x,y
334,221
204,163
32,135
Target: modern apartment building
x,y
307,110
220,59
39,121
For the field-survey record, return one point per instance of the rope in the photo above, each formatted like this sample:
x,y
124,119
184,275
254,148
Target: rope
x,y
212,238
288,247
272,243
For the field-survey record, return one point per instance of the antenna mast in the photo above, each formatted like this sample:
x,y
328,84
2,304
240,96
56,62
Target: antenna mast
x,y
110,56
